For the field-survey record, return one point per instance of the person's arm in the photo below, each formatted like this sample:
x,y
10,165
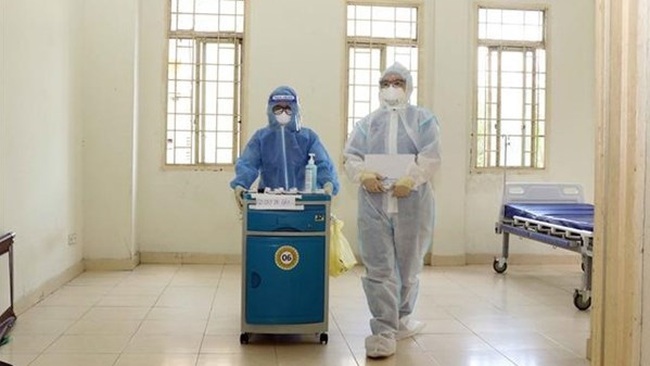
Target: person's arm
x,y
428,158
354,160
248,165
326,172
354,152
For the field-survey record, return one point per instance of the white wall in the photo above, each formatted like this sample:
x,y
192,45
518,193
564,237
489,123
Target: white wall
x,y
40,138
302,44
109,128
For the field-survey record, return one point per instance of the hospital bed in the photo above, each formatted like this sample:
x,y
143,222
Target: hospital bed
x,y
553,214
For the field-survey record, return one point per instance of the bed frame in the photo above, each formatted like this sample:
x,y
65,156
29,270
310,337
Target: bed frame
x,y
575,240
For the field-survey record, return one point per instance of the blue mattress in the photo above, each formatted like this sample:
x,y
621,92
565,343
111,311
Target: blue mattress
x,y
572,215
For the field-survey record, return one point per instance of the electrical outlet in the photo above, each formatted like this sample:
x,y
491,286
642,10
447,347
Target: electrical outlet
x,y
72,239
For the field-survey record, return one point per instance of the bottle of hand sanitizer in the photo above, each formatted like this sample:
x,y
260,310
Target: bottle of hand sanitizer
x,y
310,174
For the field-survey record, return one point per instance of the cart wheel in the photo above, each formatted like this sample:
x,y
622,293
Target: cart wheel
x,y
580,302
243,338
498,267
323,338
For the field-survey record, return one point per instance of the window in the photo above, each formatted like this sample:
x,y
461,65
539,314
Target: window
x,y
510,120
203,82
377,36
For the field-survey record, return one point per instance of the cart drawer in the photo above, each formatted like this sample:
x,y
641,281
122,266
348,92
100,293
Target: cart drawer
x,y
312,218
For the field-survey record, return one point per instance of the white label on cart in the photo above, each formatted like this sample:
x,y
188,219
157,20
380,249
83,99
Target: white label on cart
x,y
276,202
286,257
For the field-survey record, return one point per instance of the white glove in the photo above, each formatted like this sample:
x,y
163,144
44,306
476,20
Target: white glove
x,y
328,188
239,196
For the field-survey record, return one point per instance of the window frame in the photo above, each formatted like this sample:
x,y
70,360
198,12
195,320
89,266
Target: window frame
x,y
381,44
521,46
198,128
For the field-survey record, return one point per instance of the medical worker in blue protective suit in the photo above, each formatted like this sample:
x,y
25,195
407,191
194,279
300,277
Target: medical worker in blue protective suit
x,y
395,218
279,152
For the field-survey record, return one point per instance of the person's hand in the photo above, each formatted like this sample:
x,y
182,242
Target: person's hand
x,y
239,196
403,187
371,182
328,188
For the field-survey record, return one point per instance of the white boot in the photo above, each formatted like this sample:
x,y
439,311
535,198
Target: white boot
x,y
380,345
408,327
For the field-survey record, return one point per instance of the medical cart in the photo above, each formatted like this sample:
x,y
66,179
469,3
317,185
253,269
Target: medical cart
x,y
285,286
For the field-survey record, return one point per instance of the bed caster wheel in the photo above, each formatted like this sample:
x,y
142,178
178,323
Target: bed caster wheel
x,y
498,266
580,302
243,338
323,338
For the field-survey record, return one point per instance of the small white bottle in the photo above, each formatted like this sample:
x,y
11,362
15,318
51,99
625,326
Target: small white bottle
x,y
310,174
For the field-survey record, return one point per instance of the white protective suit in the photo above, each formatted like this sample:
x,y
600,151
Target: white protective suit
x,y
394,234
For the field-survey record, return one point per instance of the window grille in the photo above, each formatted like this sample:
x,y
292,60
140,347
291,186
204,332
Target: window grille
x,y
377,36
510,120
204,82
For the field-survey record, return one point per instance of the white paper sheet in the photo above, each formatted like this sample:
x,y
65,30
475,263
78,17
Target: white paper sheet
x,y
389,166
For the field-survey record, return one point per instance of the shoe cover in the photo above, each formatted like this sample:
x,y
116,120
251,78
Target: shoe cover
x,y
380,345
408,327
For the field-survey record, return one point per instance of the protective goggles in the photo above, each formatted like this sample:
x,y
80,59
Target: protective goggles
x,y
398,83
278,109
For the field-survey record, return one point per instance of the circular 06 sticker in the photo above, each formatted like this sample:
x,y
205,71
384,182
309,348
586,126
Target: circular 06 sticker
x,y
286,257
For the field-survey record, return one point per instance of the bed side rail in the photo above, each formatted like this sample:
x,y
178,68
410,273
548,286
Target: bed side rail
x,y
521,192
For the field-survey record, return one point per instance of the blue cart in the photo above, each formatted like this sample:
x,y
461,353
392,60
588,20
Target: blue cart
x,y
284,265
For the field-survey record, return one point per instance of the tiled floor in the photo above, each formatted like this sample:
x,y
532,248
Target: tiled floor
x,y
190,315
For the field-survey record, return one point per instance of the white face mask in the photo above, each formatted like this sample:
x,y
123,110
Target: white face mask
x,y
392,96
283,118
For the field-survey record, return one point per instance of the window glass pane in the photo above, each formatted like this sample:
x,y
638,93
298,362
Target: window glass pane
x,y
403,30
224,139
363,28
210,122
224,156
224,123
184,22
225,106
226,90
207,6
383,13
208,154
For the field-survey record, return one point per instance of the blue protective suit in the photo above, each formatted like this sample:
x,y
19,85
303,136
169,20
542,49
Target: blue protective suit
x,y
394,234
278,154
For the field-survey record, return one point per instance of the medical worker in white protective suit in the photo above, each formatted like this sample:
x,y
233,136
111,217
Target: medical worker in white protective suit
x,y
395,218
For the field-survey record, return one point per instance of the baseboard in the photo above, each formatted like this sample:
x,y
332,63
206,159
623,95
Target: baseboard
x,y
447,260
468,259
53,284
188,258
110,264
526,258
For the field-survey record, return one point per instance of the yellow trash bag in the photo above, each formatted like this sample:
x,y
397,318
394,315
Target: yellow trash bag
x,y
341,255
